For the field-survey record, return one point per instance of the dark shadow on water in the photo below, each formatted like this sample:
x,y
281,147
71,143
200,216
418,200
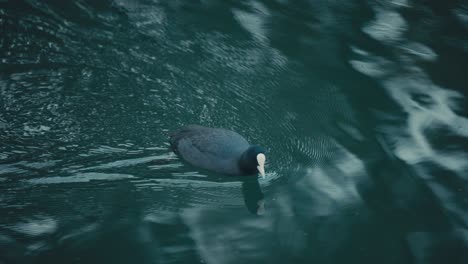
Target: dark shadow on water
x,y
251,191
253,196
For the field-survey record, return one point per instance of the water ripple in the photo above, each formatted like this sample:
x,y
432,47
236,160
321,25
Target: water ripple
x,y
360,104
427,107
82,177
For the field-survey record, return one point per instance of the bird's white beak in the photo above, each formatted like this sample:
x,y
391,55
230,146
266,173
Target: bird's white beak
x,y
261,164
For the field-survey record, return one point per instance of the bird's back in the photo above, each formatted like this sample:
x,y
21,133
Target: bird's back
x,y
214,149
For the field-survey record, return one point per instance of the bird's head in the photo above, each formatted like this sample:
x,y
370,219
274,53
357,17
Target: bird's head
x,y
253,160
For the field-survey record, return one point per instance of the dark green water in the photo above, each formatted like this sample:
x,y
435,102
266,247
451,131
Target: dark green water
x,y
361,105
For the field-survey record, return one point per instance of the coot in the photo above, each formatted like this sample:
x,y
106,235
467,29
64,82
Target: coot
x,y
219,150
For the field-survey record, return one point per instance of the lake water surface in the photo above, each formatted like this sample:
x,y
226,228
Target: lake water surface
x,y
361,105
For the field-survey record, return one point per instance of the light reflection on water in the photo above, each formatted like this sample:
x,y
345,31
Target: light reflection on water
x,y
360,105
427,108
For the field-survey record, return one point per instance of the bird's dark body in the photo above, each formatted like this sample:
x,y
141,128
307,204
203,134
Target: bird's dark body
x,y
216,149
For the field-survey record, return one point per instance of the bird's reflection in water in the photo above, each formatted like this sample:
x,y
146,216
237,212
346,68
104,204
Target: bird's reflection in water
x,y
253,196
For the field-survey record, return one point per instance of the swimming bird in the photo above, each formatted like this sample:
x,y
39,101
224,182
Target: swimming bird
x,y
219,150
